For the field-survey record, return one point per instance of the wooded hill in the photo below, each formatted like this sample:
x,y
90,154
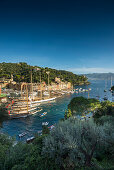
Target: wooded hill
x,y
21,73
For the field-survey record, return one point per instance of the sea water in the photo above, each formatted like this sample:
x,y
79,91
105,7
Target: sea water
x,y
55,111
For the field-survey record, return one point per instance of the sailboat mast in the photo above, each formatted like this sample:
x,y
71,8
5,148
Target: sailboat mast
x,y
111,81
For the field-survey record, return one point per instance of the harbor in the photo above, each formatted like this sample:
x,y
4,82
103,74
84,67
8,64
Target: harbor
x,y
55,109
24,99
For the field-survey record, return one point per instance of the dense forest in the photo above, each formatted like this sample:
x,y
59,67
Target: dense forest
x,y
22,71
73,144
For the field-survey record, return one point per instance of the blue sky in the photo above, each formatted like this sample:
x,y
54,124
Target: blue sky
x,y
74,35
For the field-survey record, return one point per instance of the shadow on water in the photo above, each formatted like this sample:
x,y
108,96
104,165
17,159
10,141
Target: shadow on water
x,y
2,119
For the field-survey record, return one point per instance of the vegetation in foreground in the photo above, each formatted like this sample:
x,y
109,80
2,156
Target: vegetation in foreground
x,y
72,144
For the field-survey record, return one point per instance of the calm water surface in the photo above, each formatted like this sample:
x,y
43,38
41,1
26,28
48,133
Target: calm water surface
x,y
55,111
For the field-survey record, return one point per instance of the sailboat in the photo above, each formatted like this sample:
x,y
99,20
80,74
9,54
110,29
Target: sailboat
x,y
110,84
98,94
105,97
105,86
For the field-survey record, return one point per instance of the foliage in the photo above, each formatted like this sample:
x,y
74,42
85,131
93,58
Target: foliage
x,y
112,88
45,130
21,72
5,144
80,105
3,111
74,143
24,156
107,108
103,119
68,114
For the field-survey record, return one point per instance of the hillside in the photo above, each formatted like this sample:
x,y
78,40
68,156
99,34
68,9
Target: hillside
x,y
22,71
100,76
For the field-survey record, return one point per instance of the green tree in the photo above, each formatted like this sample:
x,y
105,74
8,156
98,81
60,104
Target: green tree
x,y
45,130
73,143
68,114
106,109
21,73
5,144
80,105
112,88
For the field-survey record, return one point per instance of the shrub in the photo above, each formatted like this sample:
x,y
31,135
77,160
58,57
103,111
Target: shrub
x,y
73,143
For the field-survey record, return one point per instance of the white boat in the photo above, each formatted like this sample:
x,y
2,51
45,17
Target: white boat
x,y
51,127
30,139
18,116
45,100
22,134
24,107
45,123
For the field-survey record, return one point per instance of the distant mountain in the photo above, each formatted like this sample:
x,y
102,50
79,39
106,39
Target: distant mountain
x,y
100,76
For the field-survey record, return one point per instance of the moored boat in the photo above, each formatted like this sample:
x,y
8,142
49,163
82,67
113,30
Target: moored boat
x,y
45,100
45,123
29,140
51,127
43,114
22,134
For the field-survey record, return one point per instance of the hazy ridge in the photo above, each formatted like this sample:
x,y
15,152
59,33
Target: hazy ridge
x,y
100,76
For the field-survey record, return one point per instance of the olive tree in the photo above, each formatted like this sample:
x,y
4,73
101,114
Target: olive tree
x,y
73,143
